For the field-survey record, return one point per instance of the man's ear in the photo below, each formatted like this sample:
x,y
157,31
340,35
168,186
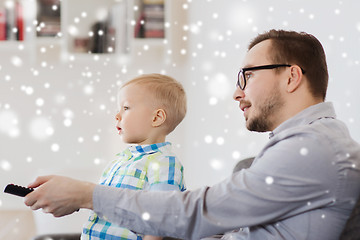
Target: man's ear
x,y
159,117
296,76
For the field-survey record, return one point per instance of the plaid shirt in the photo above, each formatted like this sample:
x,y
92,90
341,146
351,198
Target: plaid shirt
x,y
148,167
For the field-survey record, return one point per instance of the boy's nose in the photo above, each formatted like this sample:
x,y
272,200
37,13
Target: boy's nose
x,y
117,117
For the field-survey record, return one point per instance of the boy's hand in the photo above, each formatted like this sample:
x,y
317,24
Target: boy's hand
x,y
59,195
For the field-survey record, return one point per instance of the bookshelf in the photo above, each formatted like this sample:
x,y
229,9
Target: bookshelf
x,y
159,12
48,18
81,28
149,19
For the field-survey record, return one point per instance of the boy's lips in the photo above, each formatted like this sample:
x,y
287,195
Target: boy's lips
x,y
119,129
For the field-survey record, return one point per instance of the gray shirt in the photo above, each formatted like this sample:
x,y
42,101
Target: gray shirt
x,y
302,185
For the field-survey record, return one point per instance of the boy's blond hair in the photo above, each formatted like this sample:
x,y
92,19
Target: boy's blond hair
x,y
168,93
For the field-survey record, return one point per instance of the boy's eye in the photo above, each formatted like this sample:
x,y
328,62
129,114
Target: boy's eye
x,y
126,108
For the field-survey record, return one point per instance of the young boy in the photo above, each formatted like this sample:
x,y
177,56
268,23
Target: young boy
x,y
151,106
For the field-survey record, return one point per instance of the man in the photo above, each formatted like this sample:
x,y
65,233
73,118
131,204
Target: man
x,y
302,185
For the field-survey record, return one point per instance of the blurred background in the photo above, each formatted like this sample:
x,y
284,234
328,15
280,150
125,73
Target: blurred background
x,y
62,62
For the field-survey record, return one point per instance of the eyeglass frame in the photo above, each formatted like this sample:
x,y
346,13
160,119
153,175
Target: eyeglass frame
x,y
262,67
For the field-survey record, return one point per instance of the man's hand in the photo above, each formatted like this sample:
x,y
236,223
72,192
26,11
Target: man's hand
x,y
59,195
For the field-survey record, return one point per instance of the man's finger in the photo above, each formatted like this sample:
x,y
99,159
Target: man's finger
x,y
29,200
35,207
39,181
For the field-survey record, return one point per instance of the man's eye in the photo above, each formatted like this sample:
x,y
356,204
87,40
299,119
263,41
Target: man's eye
x,y
248,75
126,108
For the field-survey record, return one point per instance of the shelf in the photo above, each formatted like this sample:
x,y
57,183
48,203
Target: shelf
x,y
81,22
149,41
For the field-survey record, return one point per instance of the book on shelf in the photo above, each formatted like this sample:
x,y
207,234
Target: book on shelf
x,y
151,20
98,42
154,11
154,29
19,21
154,34
81,44
12,21
139,30
48,18
2,24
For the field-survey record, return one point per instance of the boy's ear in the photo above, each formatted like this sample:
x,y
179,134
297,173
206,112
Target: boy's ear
x,y
159,117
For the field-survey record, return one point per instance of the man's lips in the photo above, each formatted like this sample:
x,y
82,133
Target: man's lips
x,y
244,106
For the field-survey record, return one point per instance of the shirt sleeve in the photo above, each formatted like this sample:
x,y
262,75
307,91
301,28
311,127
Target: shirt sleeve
x,y
280,184
165,173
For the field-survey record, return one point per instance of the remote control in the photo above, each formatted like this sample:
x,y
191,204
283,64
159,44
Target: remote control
x,y
18,190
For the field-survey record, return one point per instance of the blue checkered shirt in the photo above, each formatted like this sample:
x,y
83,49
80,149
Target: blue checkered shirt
x,y
148,167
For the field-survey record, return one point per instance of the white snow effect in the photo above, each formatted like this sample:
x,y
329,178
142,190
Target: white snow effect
x,y
220,141
73,30
155,166
41,128
269,180
68,113
208,139
16,61
39,102
96,138
304,151
145,216
55,147
213,101
236,155
9,123
67,122
216,164
97,161
219,86
5,165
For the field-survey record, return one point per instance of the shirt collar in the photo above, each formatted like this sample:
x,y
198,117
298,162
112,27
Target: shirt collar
x,y
147,149
307,116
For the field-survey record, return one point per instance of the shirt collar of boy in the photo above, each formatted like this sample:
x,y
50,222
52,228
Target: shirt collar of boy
x,y
148,148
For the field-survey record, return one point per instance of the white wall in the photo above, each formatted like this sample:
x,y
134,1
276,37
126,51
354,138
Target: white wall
x,y
212,137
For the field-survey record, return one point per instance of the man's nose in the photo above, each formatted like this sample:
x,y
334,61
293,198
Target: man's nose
x,y
238,94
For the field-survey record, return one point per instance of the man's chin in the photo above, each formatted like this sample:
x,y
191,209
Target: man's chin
x,y
256,126
248,125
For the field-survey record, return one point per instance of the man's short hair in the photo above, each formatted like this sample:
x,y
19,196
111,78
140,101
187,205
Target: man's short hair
x,y
302,49
168,94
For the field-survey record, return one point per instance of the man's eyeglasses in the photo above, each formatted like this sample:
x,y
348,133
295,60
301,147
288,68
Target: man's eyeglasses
x,y
243,76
